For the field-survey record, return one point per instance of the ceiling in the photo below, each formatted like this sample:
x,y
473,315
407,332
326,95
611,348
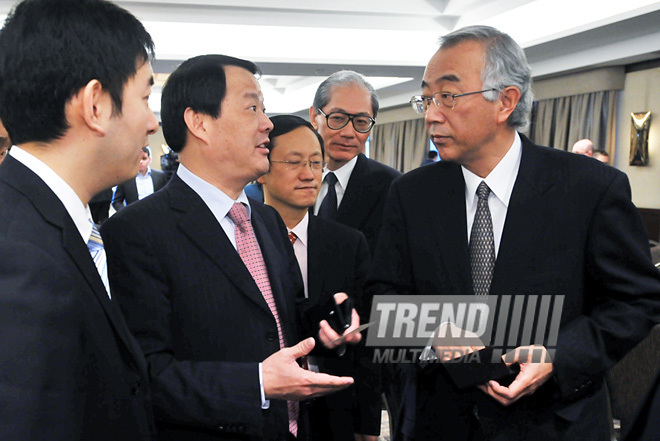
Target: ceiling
x,y
297,43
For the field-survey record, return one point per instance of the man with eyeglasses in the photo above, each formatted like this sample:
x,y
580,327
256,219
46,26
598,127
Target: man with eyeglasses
x,y
333,258
353,192
500,216
344,111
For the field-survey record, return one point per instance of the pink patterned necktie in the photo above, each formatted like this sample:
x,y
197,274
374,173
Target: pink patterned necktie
x,y
250,253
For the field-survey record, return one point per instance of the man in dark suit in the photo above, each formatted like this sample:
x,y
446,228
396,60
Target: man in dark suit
x,y
207,278
146,182
547,222
69,367
332,257
344,111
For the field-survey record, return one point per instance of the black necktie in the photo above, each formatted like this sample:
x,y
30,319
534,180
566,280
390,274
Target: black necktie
x,y
328,208
482,244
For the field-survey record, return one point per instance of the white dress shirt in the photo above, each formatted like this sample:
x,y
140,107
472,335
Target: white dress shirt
x,y
500,180
144,184
217,201
343,175
300,248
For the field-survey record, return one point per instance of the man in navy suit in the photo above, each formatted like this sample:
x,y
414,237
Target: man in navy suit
x,y
218,326
69,367
333,258
560,225
146,182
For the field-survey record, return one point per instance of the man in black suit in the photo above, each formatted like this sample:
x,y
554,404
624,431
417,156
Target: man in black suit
x,y
333,258
344,111
560,224
207,278
69,367
146,182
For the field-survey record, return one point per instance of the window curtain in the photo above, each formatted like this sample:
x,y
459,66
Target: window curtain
x,y
560,122
401,145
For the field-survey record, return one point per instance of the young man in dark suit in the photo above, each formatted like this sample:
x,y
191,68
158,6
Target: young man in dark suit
x,y
146,182
69,368
510,218
333,258
207,278
353,193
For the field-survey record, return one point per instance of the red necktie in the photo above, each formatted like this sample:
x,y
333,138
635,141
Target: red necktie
x,y
250,253
292,237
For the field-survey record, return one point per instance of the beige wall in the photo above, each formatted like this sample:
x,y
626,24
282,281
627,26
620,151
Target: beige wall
x,y
155,142
641,93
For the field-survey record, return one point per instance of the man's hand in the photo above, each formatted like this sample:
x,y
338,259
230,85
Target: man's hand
x,y
535,369
284,379
450,342
327,335
359,437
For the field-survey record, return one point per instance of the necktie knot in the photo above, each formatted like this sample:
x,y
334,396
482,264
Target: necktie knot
x,y
292,237
238,214
483,191
96,250
331,179
95,242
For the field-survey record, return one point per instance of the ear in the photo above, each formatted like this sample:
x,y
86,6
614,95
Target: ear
x,y
196,124
262,179
312,117
509,98
94,105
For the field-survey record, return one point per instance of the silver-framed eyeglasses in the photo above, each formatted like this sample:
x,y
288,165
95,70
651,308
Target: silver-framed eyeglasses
x,y
421,103
298,165
338,120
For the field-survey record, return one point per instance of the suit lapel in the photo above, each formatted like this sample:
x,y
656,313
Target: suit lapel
x,y
53,212
131,191
199,224
353,203
527,218
274,261
452,227
315,250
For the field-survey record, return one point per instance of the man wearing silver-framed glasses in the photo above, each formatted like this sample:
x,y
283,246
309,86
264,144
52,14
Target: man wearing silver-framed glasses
x,y
500,216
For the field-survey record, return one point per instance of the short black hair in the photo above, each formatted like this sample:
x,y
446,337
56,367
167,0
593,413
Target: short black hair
x,y
432,154
146,150
198,83
50,49
601,152
283,124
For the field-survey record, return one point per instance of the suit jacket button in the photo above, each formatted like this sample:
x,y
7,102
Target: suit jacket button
x,y
136,388
271,336
221,427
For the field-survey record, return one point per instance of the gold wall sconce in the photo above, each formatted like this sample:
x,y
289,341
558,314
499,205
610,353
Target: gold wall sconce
x,y
639,138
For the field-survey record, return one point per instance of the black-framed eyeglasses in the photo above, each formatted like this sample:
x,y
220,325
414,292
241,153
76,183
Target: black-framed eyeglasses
x,y
338,120
421,103
297,165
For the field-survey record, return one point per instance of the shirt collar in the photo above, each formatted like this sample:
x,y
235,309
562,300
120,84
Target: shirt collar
x,y
78,212
217,201
146,175
300,230
502,178
343,173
